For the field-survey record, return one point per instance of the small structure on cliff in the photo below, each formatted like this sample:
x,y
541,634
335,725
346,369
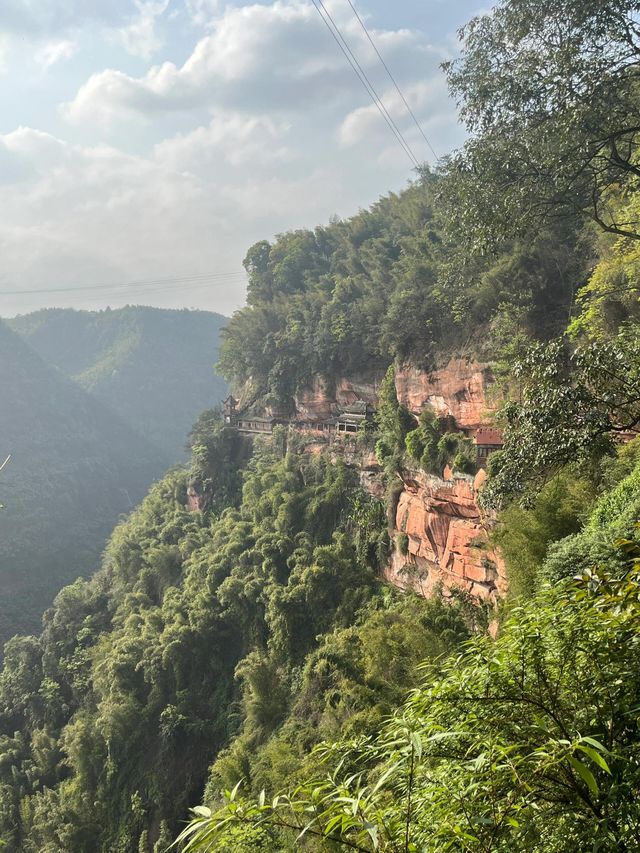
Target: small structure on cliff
x,y
487,440
349,419
247,420
256,424
229,409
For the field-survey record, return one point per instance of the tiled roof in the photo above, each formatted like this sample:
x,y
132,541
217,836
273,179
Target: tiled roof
x,y
257,418
357,408
488,435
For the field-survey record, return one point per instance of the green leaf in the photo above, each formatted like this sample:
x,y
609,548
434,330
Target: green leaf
x,y
416,743
388,772
202,811
585,774
372,831
595,756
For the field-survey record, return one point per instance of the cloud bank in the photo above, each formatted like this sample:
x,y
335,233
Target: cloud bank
x,y
177,170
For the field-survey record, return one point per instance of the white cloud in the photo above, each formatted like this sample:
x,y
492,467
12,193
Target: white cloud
x,y
427,99
55,51
263,128
77,215
202,12
140,36
239,140
257,58
48,17
56,27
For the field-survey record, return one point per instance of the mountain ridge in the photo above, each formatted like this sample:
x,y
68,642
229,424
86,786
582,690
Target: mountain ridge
x,y
134,359
75,468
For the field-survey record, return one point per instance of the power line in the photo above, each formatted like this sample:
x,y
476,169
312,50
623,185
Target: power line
x,y
193,280
392,78
362,76
161,288
139,297
364,79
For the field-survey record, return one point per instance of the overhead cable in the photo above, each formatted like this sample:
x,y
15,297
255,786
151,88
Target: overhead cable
x,y
362,76
392,78
157,283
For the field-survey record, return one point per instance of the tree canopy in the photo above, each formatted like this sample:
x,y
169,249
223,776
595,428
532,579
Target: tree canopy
x,y
549,93
527,742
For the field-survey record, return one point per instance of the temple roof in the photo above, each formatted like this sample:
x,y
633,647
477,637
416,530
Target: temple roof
x,y
488,436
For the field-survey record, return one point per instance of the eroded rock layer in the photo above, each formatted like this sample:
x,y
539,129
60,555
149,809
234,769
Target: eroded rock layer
x,y
441,538
460,388
447,537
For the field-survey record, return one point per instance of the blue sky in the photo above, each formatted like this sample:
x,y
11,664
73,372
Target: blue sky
x,y
155,140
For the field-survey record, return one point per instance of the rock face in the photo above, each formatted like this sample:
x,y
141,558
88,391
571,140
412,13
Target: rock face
x,y
195,501
440,535
459,389
441,538
322,399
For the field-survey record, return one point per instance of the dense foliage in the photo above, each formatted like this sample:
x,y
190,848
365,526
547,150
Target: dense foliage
x,y
243,653
573,404
389,284
549,94
75,467
134,359
110,718
528,743
429,442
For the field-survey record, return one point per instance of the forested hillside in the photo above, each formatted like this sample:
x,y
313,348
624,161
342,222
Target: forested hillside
x,y
391,283
75,467
239,650
139,667
134,359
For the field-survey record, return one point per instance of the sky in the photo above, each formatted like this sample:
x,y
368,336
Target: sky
x,y
146,144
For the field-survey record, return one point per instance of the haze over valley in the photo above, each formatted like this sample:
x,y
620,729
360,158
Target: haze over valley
x,y
320,426
84,416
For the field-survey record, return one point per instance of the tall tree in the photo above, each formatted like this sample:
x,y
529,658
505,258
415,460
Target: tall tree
x,y
573,403
549,93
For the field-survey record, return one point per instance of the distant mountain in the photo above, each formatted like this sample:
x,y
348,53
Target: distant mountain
x,y
75,467
152,366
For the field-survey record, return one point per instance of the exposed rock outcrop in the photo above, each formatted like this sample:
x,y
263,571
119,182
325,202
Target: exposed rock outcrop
x,y
323,399
446,534
460,388
195,501
446,538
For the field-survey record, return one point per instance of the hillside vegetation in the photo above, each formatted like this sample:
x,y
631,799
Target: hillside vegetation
x,y
134,359
247,659
394,283
75,467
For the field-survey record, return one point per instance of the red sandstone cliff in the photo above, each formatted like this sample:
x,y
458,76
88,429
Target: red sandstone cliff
x,y
447,538
447,535
460,388
322,399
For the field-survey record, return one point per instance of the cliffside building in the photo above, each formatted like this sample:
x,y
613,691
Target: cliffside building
x,y
487,440
255,424
229,409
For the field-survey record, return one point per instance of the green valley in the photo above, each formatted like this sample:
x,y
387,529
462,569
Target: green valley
x,y
132,359
391,601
